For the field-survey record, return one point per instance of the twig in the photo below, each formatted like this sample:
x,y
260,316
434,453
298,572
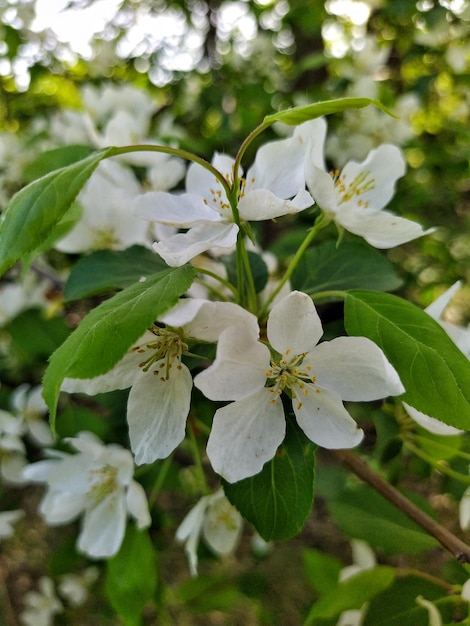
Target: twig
x,y
448,540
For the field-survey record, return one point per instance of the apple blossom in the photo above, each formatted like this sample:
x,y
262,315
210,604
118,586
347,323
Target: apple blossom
x,y
29,406
97,481
355,197
217,521
273,186
161,384
42,605
7,518
246,433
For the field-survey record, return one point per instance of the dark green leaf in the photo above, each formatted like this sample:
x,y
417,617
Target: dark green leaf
x,y
300,114
364,514
435,373
321,570
258,268
107,270
105,334
352,593
278,500
131,576
351,265
35,210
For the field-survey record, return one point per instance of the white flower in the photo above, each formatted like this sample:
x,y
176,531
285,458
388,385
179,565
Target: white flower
x,y
161,384
74,587
355,197
246,433
107,220
217,521
273,186
12,448
28,404
42,605
464,510
363,559
17,297
7,518
96,482
461,337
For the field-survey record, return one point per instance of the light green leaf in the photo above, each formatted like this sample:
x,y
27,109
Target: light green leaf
x,y
300,114
351,265
131,576
34,211
351,593
434,372
278,500
106,333
321,570
107,270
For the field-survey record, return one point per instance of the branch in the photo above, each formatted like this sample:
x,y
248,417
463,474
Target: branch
x,y
448,540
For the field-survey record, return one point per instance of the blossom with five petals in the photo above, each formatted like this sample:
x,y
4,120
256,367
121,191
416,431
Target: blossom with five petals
x,y
98,482
246,433
161,384
355,197
274,186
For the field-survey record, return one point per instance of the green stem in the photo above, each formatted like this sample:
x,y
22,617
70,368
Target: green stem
x,y
437,465
165,466
241,152
223,281
443,447
321,222
198,461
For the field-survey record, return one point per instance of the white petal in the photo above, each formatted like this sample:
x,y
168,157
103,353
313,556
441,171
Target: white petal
x,y
323,418
355,367
222,524
182,247
61,508
382,167
261,204
182,211
189,532
294,324
156,412
430,423
103,527
245,435
201,181
239,369
464,510
137,505
322,188
437,308
383,229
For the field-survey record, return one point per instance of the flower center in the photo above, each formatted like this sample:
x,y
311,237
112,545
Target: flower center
x,y
289,372
105,238
165,352
103,483
353,189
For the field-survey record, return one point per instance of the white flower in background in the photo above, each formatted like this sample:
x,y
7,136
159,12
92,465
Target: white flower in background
x,y
74,587
273,186
7,518
216,521
41,606
12,448
19,296
96,482
434,616
107,220
464,510
355,197
461,337
246,433
161,384
363,559
28,405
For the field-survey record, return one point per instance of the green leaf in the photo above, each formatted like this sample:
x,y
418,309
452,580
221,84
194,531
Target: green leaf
x,y
278,500
321,570
300,114
259,269
105,334
396,606
352,593
108,270
34,211
55,159
131,576
352,265
364,514
434,372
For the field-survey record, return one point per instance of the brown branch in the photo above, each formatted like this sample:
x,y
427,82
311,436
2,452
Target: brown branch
x,y
448,540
